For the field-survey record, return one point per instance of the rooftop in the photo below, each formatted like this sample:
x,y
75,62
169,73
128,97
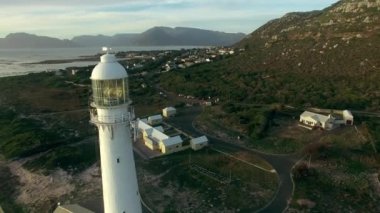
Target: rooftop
x,y
173,141
170,109
72,208
316,116
108,69
199,140
155,117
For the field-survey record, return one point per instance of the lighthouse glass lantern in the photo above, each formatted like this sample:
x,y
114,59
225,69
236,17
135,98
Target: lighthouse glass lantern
x,y
108,93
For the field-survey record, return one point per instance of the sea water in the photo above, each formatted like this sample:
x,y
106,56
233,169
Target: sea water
x,y
20,61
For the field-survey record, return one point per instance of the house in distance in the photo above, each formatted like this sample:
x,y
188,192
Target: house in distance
x,y
312,120
169,112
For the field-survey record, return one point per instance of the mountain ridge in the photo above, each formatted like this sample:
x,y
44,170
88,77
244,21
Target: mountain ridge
x,y
156,36
26,40
159,36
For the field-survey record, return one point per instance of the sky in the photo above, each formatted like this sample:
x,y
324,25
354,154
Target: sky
x,y
68,18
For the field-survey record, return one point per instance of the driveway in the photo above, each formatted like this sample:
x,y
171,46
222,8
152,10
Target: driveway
x,y
283,164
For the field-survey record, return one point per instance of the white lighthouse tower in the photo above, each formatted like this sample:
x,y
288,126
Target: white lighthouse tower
x,y
110,113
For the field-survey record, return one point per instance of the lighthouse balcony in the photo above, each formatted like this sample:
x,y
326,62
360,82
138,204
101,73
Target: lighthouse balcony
x,y
119,119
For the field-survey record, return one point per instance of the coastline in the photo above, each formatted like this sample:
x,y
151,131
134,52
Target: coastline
x,y
65,61
18,62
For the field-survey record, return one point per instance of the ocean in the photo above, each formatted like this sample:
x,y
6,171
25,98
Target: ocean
x,y
17,61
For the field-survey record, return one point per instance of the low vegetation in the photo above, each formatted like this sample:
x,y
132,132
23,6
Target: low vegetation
x,y
8,190
22,137
73,158
269,128
204,181
336,174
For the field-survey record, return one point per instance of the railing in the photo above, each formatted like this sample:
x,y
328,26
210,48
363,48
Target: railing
x,y
119,119
109,101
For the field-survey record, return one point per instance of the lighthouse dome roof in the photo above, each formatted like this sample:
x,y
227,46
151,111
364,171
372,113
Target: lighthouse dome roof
x,y
108,69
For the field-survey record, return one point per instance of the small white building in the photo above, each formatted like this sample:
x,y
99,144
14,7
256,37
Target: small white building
x,y
172,144
198,143
155,119
313,120
169,112
348,117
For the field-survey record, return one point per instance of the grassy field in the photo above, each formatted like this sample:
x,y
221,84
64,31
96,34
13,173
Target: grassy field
x,y
204,181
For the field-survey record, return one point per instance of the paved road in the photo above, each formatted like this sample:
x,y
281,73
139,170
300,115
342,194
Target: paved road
x,y
281,163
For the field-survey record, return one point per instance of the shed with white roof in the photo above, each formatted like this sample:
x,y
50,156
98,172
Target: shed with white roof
x,y
169,112
198,143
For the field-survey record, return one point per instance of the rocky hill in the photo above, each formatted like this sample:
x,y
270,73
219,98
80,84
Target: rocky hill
x,y
327,58
342,39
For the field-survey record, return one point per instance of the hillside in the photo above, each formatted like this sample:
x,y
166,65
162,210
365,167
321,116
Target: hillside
x,y
187,36
25,40
342,39
163,36
327,58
